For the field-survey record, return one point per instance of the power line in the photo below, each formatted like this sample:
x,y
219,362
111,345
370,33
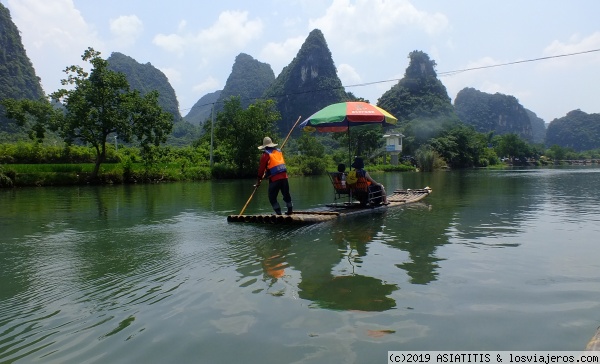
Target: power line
x,y
450,73
446,73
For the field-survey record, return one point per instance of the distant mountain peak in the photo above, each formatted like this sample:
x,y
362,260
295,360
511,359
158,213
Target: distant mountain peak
x,y
146,78
309,83
249,78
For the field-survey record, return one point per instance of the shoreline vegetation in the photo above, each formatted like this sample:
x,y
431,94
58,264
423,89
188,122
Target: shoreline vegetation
x,y
26,164
32,164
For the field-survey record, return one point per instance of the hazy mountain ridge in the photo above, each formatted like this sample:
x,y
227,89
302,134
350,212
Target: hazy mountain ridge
x,y
577,130
202,109
146,78
502,114
249,79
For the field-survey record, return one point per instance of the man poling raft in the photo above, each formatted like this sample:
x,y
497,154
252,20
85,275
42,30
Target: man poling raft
x,y
272,166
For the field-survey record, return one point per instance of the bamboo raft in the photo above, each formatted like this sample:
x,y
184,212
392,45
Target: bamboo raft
x,y
334,210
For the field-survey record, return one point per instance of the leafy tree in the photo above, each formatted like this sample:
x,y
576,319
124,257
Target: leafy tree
x,y
309,146
313,159
461,147
238,132
557,152
512,146
99,104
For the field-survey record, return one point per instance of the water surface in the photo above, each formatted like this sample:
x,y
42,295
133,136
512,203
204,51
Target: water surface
x,y
491,260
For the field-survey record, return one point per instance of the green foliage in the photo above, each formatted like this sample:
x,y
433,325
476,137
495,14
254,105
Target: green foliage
x,y
99,105
428,159
34,116
34,152
309,146
402,167
577,130
238,132
307,165
6,178
513,147
420,130
312,160
461,147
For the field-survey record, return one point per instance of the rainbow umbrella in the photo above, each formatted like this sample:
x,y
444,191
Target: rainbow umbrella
x,y
339,117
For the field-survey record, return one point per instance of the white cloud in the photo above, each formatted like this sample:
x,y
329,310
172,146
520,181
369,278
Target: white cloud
x,y
231,31
366,24
55,34
348,74
575,44
211,84
279,55
54,24
171,43
126,29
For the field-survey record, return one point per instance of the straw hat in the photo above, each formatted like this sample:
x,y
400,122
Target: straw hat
x,y
267,142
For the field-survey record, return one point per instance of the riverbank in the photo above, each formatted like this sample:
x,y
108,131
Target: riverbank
x,y
38,175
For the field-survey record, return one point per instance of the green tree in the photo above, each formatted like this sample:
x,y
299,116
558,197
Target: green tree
x,y
238,132
313,159
461,147
512,146
99,104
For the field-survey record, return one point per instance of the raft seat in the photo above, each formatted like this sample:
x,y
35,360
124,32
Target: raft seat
x,y
340,191
366,195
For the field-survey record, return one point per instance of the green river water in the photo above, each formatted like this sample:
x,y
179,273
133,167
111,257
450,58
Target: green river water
x,y
491,260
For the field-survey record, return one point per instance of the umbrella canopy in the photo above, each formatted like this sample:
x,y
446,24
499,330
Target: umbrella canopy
x,y
339,117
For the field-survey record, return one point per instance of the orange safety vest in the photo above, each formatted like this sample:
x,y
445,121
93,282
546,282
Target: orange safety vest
x,y
361,175
276,163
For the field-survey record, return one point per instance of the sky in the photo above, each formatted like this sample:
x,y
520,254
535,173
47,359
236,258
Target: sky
x,y
194,43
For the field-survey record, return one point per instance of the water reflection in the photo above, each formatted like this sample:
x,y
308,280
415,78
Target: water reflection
x,y
327,263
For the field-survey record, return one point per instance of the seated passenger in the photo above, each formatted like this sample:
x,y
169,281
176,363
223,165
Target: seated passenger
x,y
339,178
372,185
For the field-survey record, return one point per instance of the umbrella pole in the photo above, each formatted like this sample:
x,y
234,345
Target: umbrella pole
x,y
263,176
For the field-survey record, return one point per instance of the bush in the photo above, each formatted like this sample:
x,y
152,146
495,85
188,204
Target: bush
x,y
312,166
223,171
6,178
